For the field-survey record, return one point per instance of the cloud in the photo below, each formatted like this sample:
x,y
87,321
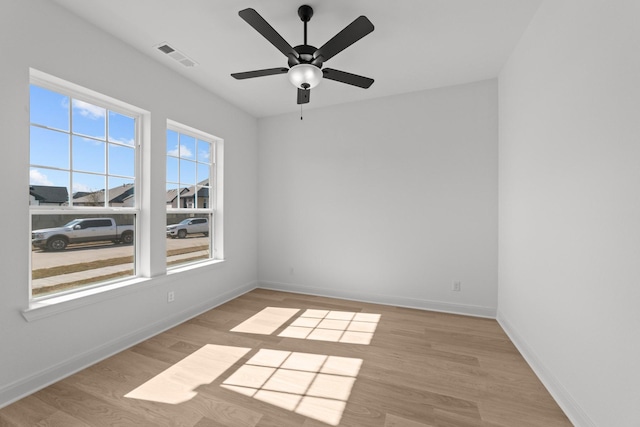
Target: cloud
x,y
130,142
89,110
81,187
184,151
38,178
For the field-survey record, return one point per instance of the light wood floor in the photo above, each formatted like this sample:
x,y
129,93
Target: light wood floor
x,y
420,369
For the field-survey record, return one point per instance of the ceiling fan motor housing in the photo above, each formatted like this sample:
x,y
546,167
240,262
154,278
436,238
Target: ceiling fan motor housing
x,y
305,56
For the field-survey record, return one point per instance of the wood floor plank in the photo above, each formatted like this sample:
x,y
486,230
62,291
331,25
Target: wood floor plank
x,y
89,408
16,416
61,419
444,418
414,369
396,421
207,422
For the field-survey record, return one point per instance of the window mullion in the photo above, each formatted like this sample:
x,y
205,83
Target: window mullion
x,y
70,136
106,159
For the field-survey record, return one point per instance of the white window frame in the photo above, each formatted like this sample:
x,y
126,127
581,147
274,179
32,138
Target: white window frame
x,y
75,91
215,206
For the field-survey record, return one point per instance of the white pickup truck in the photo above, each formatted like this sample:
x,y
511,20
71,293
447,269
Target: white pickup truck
x,y
188,226
81,231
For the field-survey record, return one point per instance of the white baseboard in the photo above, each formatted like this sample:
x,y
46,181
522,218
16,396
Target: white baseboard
x,y
26,386
445,307
571,408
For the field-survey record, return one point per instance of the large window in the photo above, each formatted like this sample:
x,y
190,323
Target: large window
x,y
191,195
85,201
83,194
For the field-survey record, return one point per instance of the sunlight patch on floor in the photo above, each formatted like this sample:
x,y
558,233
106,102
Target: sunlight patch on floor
x,y
178,383
334,326
317,386
313,385
266,321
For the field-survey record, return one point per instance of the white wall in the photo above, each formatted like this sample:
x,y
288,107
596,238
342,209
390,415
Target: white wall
x,y
41,35
570,205
389,200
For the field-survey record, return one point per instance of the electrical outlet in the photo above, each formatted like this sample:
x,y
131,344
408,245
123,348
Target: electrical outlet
x,y
456,286
171,296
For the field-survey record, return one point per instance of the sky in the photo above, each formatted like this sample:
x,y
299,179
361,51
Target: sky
x,y
85,147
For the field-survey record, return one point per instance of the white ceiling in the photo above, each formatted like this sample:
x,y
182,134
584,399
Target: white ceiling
x,y
416,44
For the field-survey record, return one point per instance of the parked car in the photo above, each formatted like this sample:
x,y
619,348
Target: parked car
x,y
188,226
81,231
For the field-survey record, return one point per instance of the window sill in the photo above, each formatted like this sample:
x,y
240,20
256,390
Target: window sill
x,y
193,266
50,306
56,304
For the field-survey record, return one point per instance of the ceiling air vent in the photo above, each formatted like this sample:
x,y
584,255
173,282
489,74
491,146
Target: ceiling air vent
x,y
176,55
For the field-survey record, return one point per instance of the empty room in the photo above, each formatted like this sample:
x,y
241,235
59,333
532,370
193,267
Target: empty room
x,y
324,213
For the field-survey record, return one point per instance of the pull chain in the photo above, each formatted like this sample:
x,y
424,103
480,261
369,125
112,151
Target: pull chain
x,y
300,111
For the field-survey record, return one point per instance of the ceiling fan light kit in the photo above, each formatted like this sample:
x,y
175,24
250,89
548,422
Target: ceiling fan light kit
x,y
305,76
305,62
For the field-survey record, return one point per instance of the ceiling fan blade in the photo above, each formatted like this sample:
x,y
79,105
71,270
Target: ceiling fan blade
x,y
254,19
259,73
348,78
303,96
345,38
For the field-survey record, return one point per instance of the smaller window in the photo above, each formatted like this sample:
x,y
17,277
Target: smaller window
x,y
191,195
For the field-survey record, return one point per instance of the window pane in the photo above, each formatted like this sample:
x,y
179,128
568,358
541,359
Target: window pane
x,y
172,143
172,169
48,187
49,148
202,197
44,176
187,241
203,174
122,160
204,151
88,155
48,108
121,192
122,128
187,172
187,147
172,195
88,119
88,189
70,258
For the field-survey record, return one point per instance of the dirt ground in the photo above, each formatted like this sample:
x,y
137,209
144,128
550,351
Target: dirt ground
x,y
76,254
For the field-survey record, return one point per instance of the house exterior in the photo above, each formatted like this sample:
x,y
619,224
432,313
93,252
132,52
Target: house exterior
x,y
196,196
48,195
172,196
121,196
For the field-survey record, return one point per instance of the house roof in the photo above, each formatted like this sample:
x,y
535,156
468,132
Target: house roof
x,y
115,195
49,194
188,192
173,193
202,192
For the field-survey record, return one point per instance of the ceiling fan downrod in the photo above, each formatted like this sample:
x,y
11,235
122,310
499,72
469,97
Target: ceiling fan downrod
x,y
305,13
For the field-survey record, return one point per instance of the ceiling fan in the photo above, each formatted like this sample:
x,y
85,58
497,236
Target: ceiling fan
x,y
305,61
